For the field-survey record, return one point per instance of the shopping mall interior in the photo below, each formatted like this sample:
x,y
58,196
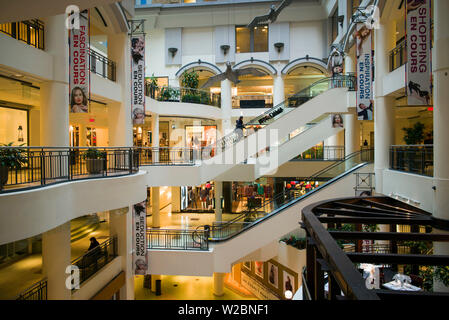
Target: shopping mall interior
x,y
232,156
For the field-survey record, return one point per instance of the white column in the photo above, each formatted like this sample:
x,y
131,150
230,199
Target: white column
x,y
350,61
56,253
278,90
155,136
218,188
155,207
119,114
440,120
120,225
175,199
54,95
384,113
226,105
219,284
352,133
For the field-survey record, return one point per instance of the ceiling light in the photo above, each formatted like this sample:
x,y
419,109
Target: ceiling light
x,y
18,75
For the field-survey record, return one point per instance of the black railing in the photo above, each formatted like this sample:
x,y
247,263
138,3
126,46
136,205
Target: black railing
x,y
166,156
187,95
46,165
102,66
96,258
417,159
330,153
173,239
30,31
398,56
37,291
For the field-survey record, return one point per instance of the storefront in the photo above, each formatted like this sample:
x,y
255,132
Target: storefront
x,y
198,199
252,195
14,126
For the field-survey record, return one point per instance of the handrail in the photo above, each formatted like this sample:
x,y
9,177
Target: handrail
x,y
34,167
108,69
96,258
220,227
273,113
398,52
37,291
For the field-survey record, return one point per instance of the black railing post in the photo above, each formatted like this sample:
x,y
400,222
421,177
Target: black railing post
x,y
42,167
130,160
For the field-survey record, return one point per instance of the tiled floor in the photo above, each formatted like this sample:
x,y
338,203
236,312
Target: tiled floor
x,y
186,288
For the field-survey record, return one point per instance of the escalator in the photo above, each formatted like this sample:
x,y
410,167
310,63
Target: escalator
x,y
333,175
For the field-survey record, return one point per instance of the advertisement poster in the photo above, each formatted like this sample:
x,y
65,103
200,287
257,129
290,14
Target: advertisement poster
x,y
140,257
337,121
365,103
79,62
258,268
138,78
273,272
289,282
418,52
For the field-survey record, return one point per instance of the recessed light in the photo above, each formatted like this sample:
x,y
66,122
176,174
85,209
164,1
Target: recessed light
x,y
18,75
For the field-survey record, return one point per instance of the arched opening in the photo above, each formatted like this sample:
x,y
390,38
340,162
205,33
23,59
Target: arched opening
x,y
302,76
253,91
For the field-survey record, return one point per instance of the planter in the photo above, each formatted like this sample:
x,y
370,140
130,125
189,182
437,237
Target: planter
x,y
95,166
3,175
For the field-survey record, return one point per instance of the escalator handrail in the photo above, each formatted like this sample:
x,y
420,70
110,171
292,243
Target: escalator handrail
x,y
283,194
349,78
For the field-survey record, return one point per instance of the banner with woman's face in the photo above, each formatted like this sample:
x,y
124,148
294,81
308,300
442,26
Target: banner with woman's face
x,y
365,104
138,78
79,66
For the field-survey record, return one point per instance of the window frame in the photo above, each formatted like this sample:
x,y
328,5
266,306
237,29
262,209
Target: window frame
x,y
251,38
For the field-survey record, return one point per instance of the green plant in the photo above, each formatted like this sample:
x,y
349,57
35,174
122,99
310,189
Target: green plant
x,y
370,228
193,98
190,79
153,81
414,135
442,274
299,243
168,93
12,157
94,154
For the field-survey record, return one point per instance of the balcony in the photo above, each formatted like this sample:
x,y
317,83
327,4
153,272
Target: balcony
x,y
416,159
24,168
186,95
102,66
30,31
398,56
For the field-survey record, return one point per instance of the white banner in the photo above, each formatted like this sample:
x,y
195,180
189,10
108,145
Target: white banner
x,y
79,62
365,103
140,256
138,78
418,52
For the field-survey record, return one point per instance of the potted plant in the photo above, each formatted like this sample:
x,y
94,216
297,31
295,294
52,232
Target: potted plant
x,y
10,158
95,160
169,94
152,84
415,134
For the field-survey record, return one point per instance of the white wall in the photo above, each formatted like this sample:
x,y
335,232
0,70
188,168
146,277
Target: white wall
x,y
306,38
25,214
411,186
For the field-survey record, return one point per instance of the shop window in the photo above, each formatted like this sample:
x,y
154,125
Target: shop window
x,y
251,40
13,126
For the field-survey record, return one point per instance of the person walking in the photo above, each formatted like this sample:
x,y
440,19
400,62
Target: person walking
x,y
239,127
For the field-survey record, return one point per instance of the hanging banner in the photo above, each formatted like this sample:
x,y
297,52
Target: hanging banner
x,y
140,256
138,78
418,52
365,103
79,66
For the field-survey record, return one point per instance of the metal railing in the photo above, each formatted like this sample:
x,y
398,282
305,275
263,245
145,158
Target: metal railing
x,y
398,56
187,95
43,166
102,65
329,153
96,258
221,231
167,155
30,31
173,239
37,291
417,159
